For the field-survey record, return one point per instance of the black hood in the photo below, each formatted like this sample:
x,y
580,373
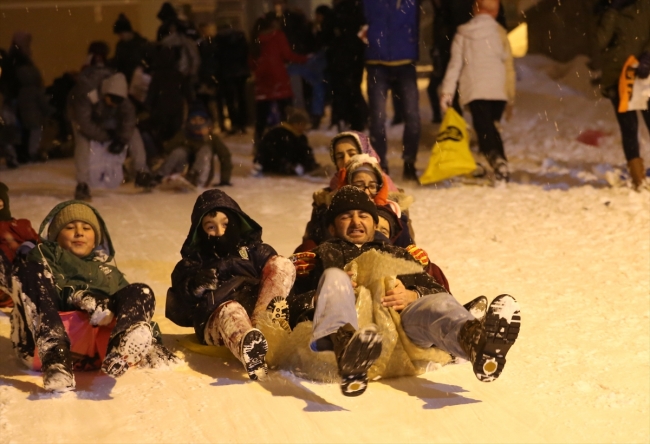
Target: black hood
x,y
212,200
167,12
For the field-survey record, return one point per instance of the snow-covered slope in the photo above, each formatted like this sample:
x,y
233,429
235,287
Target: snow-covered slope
x,y
577,260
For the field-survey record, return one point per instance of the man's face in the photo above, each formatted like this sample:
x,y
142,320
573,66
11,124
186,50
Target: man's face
x,y
354,226
78,238
216,225
343,150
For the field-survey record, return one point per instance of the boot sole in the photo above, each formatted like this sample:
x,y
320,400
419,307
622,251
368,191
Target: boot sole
x,y
253,353
361,352
501,328
58,379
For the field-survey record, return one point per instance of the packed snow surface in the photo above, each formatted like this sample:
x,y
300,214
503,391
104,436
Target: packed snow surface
x,y
573,252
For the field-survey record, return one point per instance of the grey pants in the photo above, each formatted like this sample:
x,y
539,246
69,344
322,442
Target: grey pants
x,y
178,160
432,319
82,154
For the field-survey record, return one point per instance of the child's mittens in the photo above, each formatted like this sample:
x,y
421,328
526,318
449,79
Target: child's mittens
x,y
102,315
204,280
95,306
304,262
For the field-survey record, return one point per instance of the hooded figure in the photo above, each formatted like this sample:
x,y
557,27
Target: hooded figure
x,y
227,279
72,270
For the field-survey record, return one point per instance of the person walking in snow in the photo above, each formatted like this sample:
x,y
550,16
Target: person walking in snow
x,y
624,31
72,269
13,233
227,279
429,315
482,66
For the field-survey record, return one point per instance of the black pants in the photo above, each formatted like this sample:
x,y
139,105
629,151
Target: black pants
x,y
348,103
629,124
132,304
234,92
485,113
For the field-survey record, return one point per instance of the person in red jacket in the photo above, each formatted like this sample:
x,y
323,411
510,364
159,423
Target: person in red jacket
x,y
271,52
13,232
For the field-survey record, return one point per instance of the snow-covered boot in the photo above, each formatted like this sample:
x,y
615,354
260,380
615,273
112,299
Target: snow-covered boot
x,y
278,275
231,324
477,307
501,171
356,351
486,342
128,349
57,369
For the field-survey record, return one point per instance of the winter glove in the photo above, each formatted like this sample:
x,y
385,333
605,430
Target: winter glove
x,y
102,315
203,281
643,70
304,262
445,102
116,147
418,254
95,306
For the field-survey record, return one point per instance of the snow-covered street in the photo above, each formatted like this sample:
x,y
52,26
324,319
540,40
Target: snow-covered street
x,y
573,251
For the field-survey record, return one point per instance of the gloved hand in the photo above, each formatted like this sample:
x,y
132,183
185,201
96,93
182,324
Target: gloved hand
x,y
102,315
445,102
203,281
116,147
95,306
304,262
643,70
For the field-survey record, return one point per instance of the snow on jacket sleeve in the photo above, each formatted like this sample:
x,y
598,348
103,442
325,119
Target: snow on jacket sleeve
x,y
450,82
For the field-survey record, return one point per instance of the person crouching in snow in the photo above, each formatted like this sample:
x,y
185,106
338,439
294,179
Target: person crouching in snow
x,y
194,148
71,270
13,232
227,280
428,314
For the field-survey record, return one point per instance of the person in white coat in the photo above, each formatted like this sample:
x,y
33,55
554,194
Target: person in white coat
x,y
481,65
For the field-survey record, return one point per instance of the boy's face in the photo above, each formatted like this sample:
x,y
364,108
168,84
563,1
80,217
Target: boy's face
x,y
78,238
216,225
199,125
343,150
384,227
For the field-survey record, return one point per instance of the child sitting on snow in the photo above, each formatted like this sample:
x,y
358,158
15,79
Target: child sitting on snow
x,y
194,148
13,232
227,279
72,270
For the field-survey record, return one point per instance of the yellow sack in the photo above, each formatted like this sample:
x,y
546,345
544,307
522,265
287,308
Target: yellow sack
x,y
450,155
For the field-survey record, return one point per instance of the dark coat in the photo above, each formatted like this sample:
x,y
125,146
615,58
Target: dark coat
x,y
131,53
337,253
239,275
33,104
231,54
281,150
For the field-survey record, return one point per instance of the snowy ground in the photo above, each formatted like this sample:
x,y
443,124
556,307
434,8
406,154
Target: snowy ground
x,y
575,253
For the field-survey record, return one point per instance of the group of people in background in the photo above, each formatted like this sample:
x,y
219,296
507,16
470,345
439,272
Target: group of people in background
x,y
162,103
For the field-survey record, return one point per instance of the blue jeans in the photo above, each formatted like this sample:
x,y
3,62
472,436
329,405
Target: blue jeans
x,y
312,72
434,319
404,79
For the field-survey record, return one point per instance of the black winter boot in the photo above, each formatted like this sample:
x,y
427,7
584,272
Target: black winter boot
x,y
355,351
486,342
146,180
82,192
409,171
57,369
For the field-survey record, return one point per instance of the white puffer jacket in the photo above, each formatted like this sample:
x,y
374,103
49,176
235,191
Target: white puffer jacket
x,y
481,60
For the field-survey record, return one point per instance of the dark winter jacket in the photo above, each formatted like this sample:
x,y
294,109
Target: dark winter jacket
x,y
346,48
92,117
336,253
131,53
95,273
281,150
231,54
393,30
33,104
620,34
271,77
236,272
293,23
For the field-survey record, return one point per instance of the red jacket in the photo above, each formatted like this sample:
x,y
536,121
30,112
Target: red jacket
x,y
13,233
271,77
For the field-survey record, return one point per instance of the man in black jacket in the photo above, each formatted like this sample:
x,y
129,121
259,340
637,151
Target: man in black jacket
x,y
429,315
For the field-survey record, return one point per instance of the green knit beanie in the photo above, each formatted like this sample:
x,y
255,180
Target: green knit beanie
x,y
71,213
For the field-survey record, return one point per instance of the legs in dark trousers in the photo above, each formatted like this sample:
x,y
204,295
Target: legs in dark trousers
x,y
132,304
484,114
629,124
234,91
